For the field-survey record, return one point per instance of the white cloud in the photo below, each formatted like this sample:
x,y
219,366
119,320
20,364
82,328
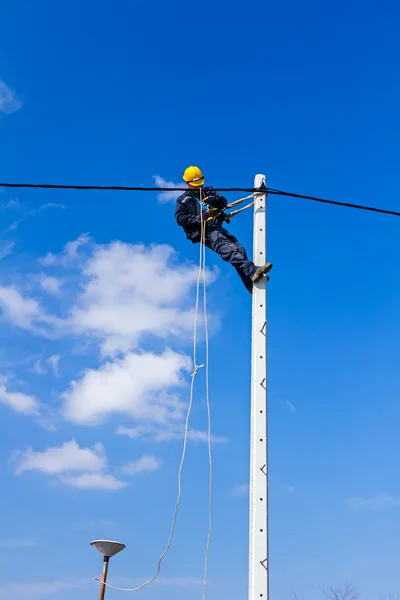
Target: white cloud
x,y
290,406
15,224
167,196
70,251
26,213
167,432
240,490
19,402
38,368
71,465
117,296
149,433
48,205
67,457
181,582
93,481
135,385
18,543
35,590
51,285
20,310
378,502
172,582
145,464
54,362
130,291
9,102
49,259
25,312
202,436
6,249
98,525
12,204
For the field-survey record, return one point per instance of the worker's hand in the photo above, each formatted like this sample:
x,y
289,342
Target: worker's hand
x,y
210,213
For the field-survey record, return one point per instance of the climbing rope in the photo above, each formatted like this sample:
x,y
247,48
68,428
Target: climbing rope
x,y
210,493
237,202
229,216
200,276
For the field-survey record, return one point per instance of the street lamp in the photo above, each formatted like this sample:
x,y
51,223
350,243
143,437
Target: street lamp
x,y
107,549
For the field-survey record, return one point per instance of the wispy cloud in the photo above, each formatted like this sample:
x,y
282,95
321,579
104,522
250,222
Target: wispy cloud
x,y
145,464
98,525
38,368
36,590
289,488
18,543
93,481
9,101
50,205
172,582
18,401
33,212
12,204
195,435
181,582
51,285
27,213
167,432
290,406
240,490
167,196
54,362
26,312
69,254
379,502
6,248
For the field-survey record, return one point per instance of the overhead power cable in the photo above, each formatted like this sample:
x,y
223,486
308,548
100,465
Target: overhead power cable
x,y
384,211
115,188
271,191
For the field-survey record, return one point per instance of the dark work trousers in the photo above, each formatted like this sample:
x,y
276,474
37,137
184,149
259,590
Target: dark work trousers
x,y
230,250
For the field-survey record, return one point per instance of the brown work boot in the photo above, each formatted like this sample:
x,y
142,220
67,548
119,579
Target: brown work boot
x,y
261,271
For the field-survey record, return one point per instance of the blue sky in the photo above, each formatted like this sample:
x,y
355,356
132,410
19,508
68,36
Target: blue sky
x,y
96,293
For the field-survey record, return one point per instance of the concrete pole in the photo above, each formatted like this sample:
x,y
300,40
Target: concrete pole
x,y
258,559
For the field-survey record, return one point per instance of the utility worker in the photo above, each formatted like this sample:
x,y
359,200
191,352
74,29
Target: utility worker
x,y
217,238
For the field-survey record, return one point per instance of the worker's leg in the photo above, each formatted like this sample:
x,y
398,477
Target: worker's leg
x,y
230,250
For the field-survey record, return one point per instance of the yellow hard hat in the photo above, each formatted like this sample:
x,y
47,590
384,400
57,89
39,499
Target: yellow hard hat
x,y
194,176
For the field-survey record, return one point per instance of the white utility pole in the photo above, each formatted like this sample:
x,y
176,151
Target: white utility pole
x,y
258,560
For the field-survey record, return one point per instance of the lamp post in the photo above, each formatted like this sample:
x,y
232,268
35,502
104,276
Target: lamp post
x,y
107,549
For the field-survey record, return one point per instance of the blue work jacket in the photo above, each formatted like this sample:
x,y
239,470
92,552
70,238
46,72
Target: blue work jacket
x,y
187,211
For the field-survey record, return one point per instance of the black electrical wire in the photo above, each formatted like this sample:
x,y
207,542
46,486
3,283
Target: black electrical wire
x,y
271,191
335,202
117,188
